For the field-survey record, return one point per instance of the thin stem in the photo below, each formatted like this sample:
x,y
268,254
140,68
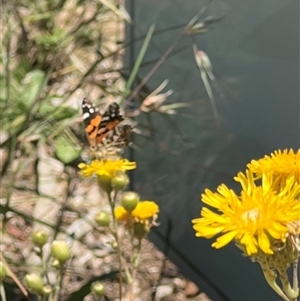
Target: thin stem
x,y
295,275
15,279
11,175
270,277
7,62
2,292
43,298
155,67
116,236
55,295
290,293
165,55
135,263
44,264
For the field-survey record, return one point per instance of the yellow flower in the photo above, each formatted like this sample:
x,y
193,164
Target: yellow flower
x,y
282,164
139,220
108,167
255,218
121,214
143,211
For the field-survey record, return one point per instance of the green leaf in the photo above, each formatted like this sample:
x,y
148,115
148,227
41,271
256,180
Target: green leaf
x,y
33,83
21,70
138,63
64,113
65,150
57,38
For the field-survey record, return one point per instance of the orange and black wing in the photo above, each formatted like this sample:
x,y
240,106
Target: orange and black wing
x,y
98,126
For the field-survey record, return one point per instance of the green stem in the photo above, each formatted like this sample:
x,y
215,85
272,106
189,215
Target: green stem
x,y
116,236
137,63
57,288
43,298
135,263
44,263
291,293
270,277
8,56
2,292
137,253
295,275
12,172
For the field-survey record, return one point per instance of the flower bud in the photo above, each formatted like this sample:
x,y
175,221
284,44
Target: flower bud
x,y
3,272
130,200
202,59
98,288
60,251
114,245
34,283
56,264
119,182
102,219
39,238
104,183
140,230
47,290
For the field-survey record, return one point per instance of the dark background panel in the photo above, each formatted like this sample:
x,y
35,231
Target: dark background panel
x,y
254,51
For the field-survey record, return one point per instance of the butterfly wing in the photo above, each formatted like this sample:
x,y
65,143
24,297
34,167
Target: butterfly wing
x,y
110,119
92,119
119,136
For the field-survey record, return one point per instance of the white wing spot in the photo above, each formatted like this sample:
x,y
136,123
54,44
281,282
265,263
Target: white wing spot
x,y
86,115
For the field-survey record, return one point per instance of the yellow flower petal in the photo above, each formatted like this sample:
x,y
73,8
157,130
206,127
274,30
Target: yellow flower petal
x,y
121,214
264,243
107,167
145,210
207,232
224,239
250,243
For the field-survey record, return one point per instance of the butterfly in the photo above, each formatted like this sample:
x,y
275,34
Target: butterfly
x,y
105,130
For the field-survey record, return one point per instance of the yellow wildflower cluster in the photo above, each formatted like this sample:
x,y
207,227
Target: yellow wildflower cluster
x,y
136,215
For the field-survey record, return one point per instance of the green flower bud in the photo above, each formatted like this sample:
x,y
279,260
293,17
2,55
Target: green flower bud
x,y
102,219
3,272
114,245
130,200
104,183
98,288
39,238
56,264
119,182
140,230
34,283
60,251
47,290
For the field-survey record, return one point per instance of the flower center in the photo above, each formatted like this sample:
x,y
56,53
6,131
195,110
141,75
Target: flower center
x,y
251,215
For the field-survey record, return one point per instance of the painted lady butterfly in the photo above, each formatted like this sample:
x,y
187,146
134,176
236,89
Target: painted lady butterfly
x,y
105,131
